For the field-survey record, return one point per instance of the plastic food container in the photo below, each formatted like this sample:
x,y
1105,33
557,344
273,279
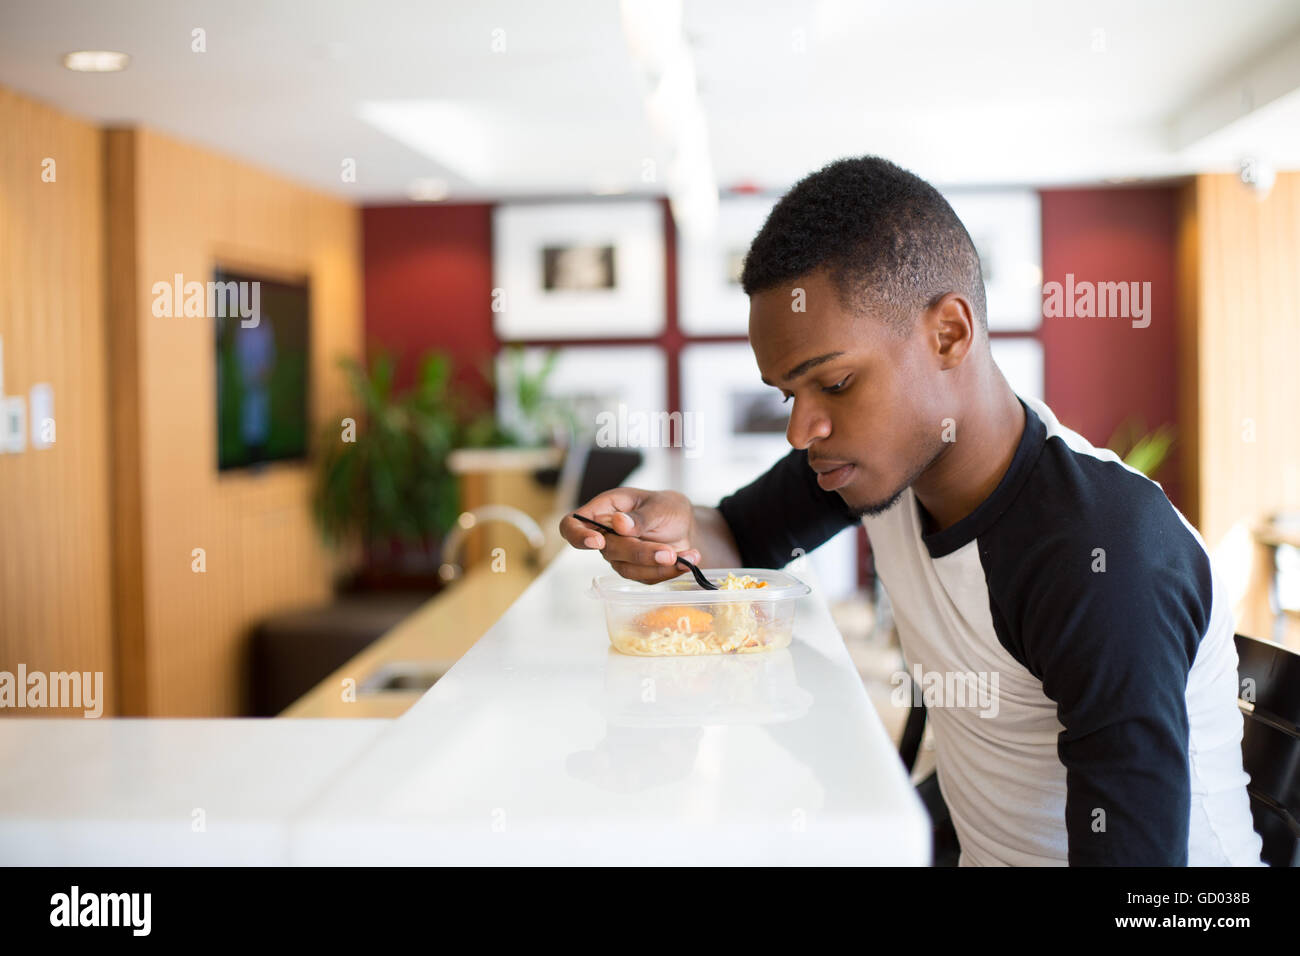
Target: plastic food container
x,y
678,617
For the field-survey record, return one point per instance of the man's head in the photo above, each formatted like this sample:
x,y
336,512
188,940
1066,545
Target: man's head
x,y
867,308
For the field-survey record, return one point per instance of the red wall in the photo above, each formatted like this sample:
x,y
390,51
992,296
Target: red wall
x,y
1098,372
428,285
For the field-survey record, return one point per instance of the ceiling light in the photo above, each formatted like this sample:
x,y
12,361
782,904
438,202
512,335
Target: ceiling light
x,y
427,190
469,142
96,61
652,29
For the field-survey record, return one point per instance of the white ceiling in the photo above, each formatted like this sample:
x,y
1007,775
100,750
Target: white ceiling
x,y
997,92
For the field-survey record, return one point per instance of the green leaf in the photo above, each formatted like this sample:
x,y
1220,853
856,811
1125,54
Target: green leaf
x,y
393,481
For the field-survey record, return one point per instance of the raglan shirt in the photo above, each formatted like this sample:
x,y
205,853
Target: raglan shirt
x,y
1080,645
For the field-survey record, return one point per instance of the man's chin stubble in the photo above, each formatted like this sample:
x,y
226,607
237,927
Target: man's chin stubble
x,y
880,507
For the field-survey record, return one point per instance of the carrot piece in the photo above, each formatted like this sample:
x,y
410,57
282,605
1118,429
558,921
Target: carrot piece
x,y
675,616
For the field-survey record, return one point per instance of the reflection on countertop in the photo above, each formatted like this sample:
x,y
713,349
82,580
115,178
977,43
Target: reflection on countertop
x,y
656,709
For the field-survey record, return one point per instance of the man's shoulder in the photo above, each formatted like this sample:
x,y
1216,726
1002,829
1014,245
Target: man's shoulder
x,y
1087,531
1095,574
1078,497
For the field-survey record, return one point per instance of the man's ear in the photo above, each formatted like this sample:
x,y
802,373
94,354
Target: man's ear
x,y
950,324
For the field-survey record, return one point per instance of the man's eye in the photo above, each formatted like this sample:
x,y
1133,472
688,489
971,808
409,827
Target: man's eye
x,y
837,386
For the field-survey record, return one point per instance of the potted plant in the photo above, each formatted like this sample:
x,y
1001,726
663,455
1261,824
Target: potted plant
x,y
382,478
533,417
1146,452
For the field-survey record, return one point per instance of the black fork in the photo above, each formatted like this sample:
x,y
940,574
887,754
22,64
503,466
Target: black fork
x,y
700,579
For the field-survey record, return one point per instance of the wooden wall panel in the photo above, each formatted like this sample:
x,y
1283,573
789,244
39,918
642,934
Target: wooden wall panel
x,y
55,594
193,209
1188,254
1247,328
124,421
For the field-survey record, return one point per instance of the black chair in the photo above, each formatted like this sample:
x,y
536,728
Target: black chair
x,y
1268,691
587,471
606,468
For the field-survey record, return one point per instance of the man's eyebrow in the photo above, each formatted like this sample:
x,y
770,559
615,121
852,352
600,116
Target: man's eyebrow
x,y
802,367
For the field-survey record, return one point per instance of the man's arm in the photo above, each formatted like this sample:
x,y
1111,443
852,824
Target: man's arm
x,y
1113,649
783,512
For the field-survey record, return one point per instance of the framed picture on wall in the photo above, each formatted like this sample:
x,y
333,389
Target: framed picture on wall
x,y
1006,227
578,270
616,387
736,417
711,300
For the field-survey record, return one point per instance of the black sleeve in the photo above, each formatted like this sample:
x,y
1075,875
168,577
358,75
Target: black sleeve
x,y
783,512
1117,668
1109,615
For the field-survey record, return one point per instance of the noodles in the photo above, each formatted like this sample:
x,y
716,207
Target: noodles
x,y
739,627
734,582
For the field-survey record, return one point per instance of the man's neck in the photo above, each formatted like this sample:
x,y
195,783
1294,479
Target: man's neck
x,y
986,444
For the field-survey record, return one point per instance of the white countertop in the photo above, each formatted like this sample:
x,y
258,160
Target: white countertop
x,y
542,745
125,791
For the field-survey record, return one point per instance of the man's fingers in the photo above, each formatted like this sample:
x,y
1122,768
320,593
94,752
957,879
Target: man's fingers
x,y
646,574
603,509
580,535
636,551
628,550
655,516
630,524
623,523
611,502
648,531
614,548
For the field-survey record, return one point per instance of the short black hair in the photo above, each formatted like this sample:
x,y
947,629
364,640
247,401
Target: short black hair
x,y
886,236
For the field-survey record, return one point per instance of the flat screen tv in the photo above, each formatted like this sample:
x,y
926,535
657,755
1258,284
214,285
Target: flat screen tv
x,y
263,358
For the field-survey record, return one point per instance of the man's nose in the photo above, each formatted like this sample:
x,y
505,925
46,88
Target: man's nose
x,y
807,424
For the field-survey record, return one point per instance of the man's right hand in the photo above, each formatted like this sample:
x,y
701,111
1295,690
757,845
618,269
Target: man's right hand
x,y
654,527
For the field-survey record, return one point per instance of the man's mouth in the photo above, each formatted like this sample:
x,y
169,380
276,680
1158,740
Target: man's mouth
x,y
832,475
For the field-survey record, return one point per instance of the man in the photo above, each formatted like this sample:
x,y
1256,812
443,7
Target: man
x,y
1008,544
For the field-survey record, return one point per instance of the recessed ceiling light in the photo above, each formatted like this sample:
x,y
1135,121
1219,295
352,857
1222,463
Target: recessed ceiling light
x,y
427,190
467,141
96,61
